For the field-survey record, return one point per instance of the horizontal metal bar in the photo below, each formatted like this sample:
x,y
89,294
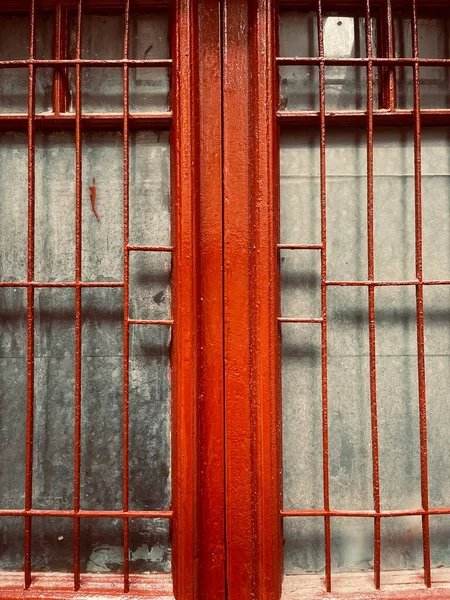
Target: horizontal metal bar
x,y
357,62
299,246
89,121
85,62
150,322
130,514
359,117
300,320
61,284
131,248
388,283
342,4
24,5
364,513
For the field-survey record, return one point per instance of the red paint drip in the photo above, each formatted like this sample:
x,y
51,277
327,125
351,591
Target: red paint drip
x,y
93,192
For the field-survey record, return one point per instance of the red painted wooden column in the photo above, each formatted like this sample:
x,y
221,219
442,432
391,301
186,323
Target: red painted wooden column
x,y
211,393
253,524
237,280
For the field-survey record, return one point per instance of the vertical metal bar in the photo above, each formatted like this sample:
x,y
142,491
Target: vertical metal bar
x,y
30,298
371,291
78,273
389,90
323,278
59,74
126,278
419,304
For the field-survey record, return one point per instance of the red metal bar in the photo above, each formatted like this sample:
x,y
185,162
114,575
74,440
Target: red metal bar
x,y
299,320
323,277
419,305
149,248
126,302
87,62
59,52
299,246
24,5
337,4
30,299
131,514
355,62
96,121
391,83
419,512
78,307
371,290
149,322
358,118
61,284
415,282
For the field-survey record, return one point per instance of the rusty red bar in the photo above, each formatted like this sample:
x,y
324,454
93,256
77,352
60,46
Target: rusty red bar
x,y
131,248
299,320
24,5
358,62
126,296
59,85
357,118
30,301
150,322
113,121
323,277
131,514
365,513
371,298
78,307
390,49
415,282
86,62
299,246
419,306
61,284
357,3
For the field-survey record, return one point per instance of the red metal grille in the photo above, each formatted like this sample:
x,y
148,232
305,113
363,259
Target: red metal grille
x,y
388,113
55,121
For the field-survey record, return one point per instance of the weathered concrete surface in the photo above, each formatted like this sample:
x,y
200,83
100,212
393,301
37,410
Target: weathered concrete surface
x,y
348,351
102,348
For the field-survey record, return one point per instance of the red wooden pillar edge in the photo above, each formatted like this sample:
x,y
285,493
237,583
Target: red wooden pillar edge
x,y
211,393
253,465
239,503
198,428
266,400
185,307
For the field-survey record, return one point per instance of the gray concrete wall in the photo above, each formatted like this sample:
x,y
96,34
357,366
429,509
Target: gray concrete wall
x,y
102,347
348,350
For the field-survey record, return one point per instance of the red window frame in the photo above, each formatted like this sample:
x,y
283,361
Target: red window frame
x,y
263,481
197,476
227,484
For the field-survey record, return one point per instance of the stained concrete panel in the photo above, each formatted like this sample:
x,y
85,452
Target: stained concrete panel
x,y
102,349
350,461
